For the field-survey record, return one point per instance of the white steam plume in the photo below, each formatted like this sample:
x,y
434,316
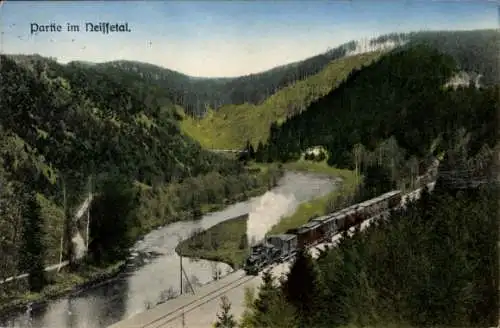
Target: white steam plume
x,y
266,212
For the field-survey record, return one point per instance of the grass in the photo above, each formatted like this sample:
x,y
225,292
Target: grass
x,y
230,126
225,242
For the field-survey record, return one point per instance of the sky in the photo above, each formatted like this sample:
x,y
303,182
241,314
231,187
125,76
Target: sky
x,y
224,38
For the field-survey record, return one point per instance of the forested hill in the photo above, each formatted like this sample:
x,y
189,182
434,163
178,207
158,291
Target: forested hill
x,y
78,120
402,95
195,95
69,129
473,50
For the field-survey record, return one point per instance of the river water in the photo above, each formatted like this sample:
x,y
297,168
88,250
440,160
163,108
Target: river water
x,y
154,271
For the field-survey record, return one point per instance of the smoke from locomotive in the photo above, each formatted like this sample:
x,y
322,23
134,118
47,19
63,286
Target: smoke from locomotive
x,y
266,212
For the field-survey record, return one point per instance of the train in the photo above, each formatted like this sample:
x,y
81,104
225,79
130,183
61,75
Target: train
x,y
278,248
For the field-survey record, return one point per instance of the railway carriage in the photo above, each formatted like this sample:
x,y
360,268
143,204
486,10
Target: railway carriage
x,y
372,206
362,213
285,243
379,206
307,234
341,221
395,198
328,225
279,247
352,216
382,203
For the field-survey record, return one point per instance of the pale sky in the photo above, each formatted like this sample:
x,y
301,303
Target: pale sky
x,y
225,38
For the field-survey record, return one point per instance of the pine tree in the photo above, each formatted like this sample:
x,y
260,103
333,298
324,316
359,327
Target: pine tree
x,y
196,208
302,287
247,150
270,309
261,154
251,151
33,249
425,204
377,181
224,318
266,291
69,247
113,213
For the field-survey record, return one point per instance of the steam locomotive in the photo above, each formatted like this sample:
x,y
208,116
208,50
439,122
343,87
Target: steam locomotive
x,y
278,248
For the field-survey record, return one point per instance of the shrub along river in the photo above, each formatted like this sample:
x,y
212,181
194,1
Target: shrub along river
x,y
153,272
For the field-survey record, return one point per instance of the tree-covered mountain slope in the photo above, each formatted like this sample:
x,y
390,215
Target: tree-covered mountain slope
x,y
81,119
232,125
196,95
403,95
473,50
61,124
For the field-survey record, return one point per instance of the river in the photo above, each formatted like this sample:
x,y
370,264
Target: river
x,y
154,271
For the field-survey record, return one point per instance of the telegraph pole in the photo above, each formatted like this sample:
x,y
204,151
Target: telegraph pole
x,y
189,282
88,213
63,231
180,258
496,181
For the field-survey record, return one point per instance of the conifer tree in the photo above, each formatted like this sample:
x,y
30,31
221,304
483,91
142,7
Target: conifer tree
x,y
251,152
33,249
262,303
302,287
270,309
261,153
196,208
112,212
224,318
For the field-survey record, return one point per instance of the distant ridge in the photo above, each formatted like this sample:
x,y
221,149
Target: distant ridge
x,y
475,51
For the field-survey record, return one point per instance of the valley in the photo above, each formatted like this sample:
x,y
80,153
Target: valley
x,y
143,139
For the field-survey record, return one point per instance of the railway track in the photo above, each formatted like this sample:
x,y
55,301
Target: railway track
x,y
193,305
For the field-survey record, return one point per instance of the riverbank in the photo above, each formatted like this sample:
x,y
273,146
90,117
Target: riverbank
x,y
65,283
229,234
62,284
225,242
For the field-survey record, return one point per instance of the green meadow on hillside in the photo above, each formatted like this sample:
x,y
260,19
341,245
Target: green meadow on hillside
x,y
232,125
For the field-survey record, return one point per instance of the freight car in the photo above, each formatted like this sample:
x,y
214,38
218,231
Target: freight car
x,y
277,248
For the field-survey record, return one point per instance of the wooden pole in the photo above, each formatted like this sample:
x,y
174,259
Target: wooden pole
x,y
180,258
88,213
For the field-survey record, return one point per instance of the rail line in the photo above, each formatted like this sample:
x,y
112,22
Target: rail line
x,y
214,294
